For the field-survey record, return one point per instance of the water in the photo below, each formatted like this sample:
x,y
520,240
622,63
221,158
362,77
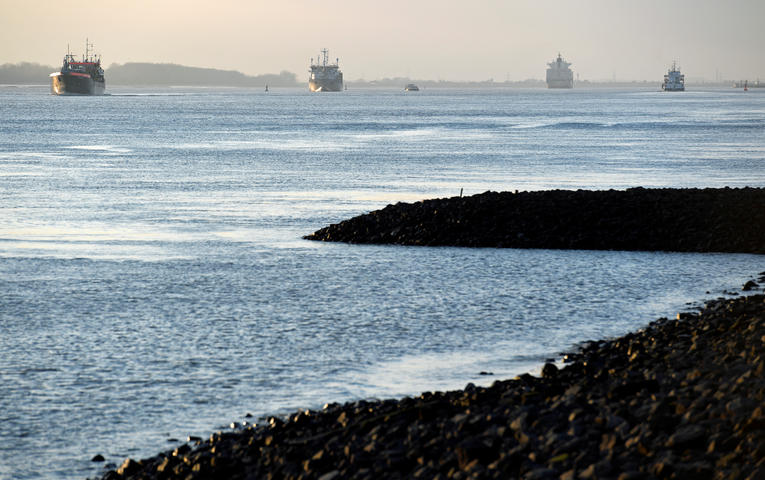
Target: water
x,y
154,283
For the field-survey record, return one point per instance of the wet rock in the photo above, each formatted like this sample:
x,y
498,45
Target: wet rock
x,y
129,467
694,471
549,370
750,285
98,458
333,475
541,474
182,450
632,475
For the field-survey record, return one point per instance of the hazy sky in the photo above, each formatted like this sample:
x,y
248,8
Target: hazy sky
x,y
422,39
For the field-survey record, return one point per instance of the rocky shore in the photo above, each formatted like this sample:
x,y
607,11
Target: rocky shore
x,y
680,220
681,399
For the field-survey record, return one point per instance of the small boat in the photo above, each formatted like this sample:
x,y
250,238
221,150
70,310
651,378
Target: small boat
x,y
410,87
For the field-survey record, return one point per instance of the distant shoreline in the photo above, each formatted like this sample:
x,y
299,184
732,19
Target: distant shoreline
x,y
166,74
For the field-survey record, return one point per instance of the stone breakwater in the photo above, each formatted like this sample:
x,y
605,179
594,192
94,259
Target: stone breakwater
x,y
680,399
681,220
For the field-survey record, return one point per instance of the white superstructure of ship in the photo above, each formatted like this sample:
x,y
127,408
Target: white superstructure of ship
x,y
559,75
674,81
325,76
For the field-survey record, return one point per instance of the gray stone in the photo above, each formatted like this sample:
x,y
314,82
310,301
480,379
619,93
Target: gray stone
x,y
688,436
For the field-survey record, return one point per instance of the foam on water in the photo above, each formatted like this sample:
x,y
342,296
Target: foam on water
x,y
100,148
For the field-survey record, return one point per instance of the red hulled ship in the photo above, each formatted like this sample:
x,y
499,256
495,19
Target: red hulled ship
x,y
85,77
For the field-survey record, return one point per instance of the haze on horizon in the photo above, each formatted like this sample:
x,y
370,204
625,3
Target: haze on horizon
x,y
423,39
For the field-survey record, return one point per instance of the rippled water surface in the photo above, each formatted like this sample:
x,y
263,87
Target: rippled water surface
x,y
154,283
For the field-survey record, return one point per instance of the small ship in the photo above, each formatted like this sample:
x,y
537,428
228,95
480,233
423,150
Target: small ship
x,y
559,75
85,77
674,81
325,77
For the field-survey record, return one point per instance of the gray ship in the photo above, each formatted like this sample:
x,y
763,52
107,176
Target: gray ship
x,y
559,75
325,77
674,81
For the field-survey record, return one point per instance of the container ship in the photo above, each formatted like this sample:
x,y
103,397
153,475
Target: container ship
x,y
559,75
674,81
325,77
85,77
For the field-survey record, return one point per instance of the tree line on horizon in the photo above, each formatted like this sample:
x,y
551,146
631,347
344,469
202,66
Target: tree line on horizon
x,y
144,74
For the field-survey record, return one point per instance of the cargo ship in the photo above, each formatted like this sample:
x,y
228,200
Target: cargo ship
x,y
85,77
559,75
325,76
674,81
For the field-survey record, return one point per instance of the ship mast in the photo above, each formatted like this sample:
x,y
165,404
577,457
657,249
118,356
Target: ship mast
x,y
90,55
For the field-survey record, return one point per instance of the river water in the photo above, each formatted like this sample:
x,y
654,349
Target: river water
x,y
154,283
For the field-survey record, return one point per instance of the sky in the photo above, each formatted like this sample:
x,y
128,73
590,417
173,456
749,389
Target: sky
x,y
421,39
